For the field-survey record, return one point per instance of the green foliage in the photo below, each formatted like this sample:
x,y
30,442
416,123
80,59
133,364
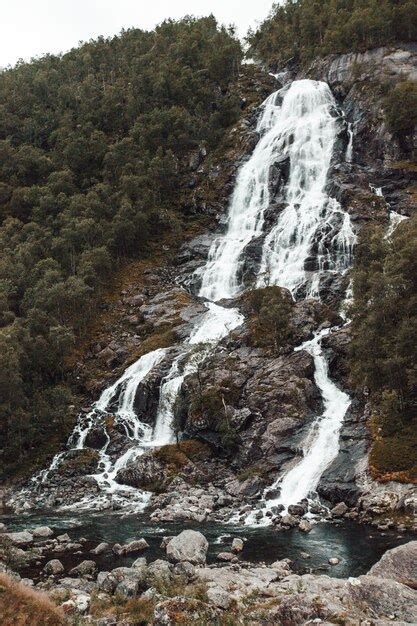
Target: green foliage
x,y
400,107
384,328
94,147
271,325
303,29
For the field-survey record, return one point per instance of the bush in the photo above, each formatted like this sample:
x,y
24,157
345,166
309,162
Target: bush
x,y
400,107
270,325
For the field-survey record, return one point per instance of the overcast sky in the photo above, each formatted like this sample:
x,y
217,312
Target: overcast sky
x,y
33,27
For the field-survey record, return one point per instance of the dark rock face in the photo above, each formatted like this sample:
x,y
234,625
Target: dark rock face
x,y
277,395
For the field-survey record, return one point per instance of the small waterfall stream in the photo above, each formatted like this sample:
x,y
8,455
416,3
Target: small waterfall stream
x,y
310,239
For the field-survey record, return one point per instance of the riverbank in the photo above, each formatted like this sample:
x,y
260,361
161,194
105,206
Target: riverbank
x,y
107,570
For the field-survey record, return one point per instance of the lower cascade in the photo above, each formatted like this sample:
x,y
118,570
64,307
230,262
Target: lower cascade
x,y
307,241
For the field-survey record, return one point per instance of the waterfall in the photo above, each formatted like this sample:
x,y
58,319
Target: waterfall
x,y
395,218
309,238
349,149
322,443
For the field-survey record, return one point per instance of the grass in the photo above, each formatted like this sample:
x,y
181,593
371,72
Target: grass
x,y
178,456
395,457
23,606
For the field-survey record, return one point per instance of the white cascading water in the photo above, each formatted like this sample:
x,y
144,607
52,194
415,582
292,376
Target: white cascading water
x,y
298,124
395,218
321,446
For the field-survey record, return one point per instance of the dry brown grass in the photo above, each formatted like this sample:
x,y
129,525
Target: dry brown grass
x,y
23,606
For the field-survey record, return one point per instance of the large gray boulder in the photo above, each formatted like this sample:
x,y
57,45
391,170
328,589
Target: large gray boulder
x,y
22,538
190,545
42,531
398,564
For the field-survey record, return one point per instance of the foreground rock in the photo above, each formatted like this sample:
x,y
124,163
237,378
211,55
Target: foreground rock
x,y
190,545
399,564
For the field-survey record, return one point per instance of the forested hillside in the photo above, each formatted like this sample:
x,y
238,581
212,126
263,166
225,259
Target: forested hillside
x,y
92,149
384,346
303,30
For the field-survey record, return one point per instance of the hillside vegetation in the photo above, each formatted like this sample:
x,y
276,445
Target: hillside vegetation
x,y
384,346
300,30
93,146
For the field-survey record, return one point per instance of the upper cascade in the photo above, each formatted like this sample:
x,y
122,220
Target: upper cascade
x,y
299,124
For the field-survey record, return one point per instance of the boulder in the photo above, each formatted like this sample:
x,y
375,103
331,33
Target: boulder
x,y
127,588
334,560
22,538
398,564
42,531
138,545
304,526
3,527
190,545
185,570
237,544
106,582
63,538
53,567
85,568
226,556
102,547
339,510
159,569
289,520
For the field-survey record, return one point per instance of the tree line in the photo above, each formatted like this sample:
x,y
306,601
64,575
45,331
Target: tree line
x,y
300,30
384,343
93,145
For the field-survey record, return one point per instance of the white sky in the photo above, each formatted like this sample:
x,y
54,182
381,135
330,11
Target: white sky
x,y
31,28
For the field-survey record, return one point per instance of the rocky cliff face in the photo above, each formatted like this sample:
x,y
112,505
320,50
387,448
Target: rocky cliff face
x,y
250,404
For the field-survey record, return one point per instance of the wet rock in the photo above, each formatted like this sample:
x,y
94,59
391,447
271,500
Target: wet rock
x,y
334,560
101,548
85,568
297,509
96,438
289,520
3,528
237,545
339,510
53,567
398,564
63,538
190,545
305,526
138,545
42,531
